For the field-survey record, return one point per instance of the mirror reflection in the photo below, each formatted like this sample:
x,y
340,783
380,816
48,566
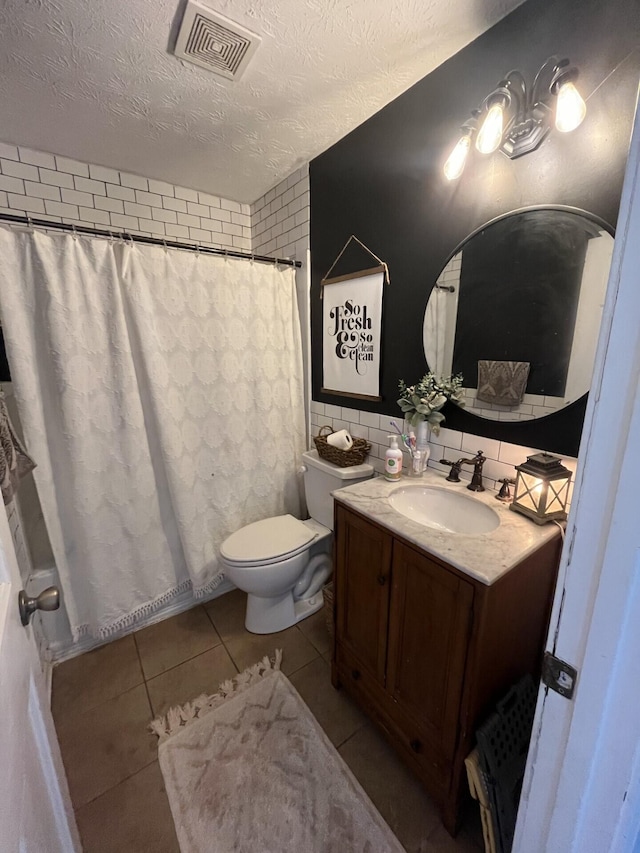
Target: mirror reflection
x,y
517,311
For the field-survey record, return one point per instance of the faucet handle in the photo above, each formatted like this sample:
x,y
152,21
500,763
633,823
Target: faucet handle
x,y
505,492
454,474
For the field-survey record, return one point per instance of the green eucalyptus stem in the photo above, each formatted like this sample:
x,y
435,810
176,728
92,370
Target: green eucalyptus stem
x,y
423,401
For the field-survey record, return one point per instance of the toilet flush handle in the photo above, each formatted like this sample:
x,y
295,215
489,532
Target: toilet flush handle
x,y
302,469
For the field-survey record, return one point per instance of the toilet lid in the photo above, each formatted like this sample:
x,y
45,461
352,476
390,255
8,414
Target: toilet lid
x,y
267,539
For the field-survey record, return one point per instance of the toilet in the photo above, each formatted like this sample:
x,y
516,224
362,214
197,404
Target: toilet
x,y
283,563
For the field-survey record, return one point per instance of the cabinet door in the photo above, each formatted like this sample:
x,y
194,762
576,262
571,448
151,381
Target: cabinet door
x,y
430,621
363,565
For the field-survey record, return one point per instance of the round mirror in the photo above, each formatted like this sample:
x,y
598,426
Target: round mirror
x,y
517,310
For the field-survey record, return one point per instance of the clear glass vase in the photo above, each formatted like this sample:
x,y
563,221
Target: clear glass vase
x,y
423,436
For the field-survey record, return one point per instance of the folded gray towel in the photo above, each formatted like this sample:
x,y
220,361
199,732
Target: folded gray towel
x,y
502,382
15,462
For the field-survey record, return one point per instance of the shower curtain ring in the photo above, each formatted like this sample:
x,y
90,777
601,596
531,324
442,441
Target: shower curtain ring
x,y
29,224
164,243
74,233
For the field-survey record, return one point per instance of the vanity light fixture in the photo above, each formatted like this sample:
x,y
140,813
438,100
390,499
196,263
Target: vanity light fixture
x,y
517,118
542,488
454,166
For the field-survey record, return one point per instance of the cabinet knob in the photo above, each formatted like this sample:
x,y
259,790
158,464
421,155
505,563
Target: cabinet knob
x,y
382,579
415,745
355,674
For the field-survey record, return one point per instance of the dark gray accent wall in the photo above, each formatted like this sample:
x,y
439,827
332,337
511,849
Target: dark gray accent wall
x,y
384,181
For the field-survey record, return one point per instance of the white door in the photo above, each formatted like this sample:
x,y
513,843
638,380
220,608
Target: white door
x,y
35,809
581,792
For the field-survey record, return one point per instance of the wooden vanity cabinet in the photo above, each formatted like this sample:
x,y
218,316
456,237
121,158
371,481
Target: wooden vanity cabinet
x,y
426,650
364,595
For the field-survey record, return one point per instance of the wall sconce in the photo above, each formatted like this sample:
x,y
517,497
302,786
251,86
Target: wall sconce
x,y
517,119
542,488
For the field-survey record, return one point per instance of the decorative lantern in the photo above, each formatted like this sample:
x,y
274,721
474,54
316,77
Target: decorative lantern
x,y
542,488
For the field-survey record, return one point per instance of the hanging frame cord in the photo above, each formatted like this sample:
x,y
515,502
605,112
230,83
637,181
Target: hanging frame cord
x,y
31,222
367,249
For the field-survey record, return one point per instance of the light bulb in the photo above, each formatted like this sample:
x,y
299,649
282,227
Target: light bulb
x,y
570,109
454,166
490,135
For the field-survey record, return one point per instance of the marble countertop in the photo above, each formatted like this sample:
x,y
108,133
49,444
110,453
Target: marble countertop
x,y
485,557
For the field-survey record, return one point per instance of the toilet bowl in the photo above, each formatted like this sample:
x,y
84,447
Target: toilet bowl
x,y
283,563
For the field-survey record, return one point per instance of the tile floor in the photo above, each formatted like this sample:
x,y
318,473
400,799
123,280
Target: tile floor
x,y
103,701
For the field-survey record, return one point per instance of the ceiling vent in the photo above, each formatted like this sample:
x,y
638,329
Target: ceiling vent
x,y
214,42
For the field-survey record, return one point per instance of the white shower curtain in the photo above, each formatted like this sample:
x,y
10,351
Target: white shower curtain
x,y
161,396
218,344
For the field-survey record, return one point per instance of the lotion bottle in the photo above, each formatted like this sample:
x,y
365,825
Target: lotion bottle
x,y
393,460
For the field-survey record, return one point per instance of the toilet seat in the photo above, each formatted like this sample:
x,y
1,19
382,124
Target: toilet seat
x,y
267,541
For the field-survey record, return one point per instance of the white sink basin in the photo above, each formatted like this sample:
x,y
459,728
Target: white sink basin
x,y
444,509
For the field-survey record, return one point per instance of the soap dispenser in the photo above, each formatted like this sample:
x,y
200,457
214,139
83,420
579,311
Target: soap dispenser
x,y
393,460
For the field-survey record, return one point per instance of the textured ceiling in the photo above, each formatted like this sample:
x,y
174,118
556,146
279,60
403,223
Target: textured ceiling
x,y
94,80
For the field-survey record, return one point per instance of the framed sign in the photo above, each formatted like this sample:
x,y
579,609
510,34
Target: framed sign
x,y
351,335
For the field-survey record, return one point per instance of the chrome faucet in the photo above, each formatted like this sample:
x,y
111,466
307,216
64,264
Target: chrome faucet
x,y
476,480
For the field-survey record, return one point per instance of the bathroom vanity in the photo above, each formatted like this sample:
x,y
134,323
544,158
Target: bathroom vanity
x,y
432,627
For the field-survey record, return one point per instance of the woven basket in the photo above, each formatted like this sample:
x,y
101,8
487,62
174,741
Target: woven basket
x,y
356,455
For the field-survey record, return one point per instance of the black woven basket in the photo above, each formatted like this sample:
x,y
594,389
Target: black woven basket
x,y
356,455
503,743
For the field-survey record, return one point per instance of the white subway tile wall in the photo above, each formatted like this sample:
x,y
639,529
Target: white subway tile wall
x,y
62,190
280,228
280,218
449,444
532,406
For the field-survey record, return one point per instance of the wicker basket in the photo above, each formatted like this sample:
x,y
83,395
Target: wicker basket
x,y
479,791
356,455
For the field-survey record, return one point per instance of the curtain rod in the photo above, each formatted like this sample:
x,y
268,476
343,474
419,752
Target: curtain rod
x,y
137,238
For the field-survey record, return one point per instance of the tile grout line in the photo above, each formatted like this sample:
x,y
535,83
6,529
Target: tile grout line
x,y
151,710
144,678
353,734
125,779
231,657
210,617
338,746
186,660
94,708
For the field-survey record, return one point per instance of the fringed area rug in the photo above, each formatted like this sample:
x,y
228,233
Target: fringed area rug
x,y
249,770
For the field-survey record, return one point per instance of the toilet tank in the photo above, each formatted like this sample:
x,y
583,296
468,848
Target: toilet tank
x,y
321,478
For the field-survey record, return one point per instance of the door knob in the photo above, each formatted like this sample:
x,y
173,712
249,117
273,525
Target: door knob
x,y
49,599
